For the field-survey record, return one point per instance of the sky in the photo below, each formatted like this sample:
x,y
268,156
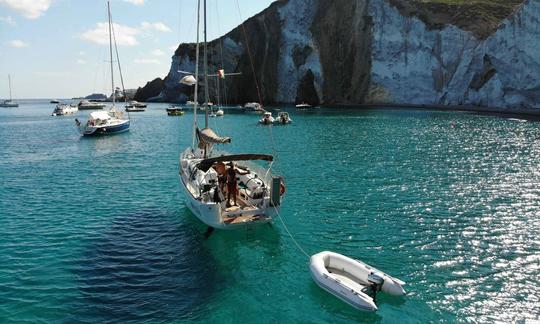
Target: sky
x,y
59,48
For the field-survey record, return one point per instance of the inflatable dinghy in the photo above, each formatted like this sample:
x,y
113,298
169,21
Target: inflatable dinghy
x,y
351,280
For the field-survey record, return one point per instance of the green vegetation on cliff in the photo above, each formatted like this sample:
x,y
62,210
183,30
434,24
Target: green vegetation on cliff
x,y
481,17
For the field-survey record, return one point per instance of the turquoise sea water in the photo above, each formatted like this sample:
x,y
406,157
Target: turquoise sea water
x,y
96,230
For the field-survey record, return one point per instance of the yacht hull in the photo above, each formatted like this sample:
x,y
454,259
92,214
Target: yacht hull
x,y
106,129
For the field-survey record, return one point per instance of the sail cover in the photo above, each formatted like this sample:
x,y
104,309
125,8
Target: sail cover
x,y
208,137
188,80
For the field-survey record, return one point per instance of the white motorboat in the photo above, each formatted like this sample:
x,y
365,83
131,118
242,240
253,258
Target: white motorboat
x,y
64,110
90,105
304,106
9,103
210,179
217,113
135,106
351,280
112,121
190,103
104,123
283,118
267,119
254,107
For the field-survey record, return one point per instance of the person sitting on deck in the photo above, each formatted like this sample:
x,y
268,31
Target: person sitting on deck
x,y
231,184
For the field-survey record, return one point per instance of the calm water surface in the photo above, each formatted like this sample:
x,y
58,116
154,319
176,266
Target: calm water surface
x,y
96,230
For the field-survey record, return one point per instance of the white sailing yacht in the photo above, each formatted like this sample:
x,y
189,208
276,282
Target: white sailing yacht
x,y
9,103
106,122
211,179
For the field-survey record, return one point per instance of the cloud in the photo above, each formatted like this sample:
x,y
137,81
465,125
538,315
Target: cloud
x,y
82,53
17,43
79,61
173,47
159,26
158,52
8,20
135,2
30,9
100,34
146,61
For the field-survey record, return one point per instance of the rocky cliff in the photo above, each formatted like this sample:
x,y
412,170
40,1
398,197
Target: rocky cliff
x,y
377,51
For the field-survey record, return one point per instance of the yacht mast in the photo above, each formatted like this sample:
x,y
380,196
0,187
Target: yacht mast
x,y
111,53
9,81
196,94
205,71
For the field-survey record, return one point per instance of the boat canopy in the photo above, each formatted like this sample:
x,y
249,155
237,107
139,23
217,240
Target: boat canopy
x,y
208,137
206,164
103,115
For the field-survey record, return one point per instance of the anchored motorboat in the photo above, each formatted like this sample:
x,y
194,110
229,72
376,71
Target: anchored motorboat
x,y
217,113
267,119
283,118
175,111
64,110
254,107
90,105
304,106
351,280
135,106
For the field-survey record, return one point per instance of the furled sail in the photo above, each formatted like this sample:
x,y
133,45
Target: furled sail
x,y
208,137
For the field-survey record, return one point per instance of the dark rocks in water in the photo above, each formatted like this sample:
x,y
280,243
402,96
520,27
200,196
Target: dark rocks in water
x,y
482,77
150,91
306,90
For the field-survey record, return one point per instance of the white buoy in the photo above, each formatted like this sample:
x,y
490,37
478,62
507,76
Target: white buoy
x,y
351,280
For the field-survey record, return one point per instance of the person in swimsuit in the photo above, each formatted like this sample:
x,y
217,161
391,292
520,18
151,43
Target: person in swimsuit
x,y
231,184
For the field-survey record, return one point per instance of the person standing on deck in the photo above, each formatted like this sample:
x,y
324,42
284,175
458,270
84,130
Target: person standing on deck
x,y
231,184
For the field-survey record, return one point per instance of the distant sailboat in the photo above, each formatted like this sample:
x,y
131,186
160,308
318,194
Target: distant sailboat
x,y
9,103
106,122
205,174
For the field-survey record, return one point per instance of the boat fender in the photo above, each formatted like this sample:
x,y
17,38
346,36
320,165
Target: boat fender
x,y
281,188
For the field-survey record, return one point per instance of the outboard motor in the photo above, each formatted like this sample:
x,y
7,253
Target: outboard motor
x,y
375,285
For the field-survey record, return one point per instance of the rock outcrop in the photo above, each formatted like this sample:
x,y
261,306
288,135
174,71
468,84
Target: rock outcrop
x,y
374,51
151,91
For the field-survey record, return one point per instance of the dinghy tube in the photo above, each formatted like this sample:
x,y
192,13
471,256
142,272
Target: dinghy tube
x,y
352,281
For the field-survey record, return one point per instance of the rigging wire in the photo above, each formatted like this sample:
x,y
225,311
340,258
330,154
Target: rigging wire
x,y
270,131
249,53
220,42
119,66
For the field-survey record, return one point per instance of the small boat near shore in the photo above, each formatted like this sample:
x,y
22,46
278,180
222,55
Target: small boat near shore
x,y
283,118
267,119
217,113
54,101
135,106
254,107
352,281
175,111
90,105
304,106
64,110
